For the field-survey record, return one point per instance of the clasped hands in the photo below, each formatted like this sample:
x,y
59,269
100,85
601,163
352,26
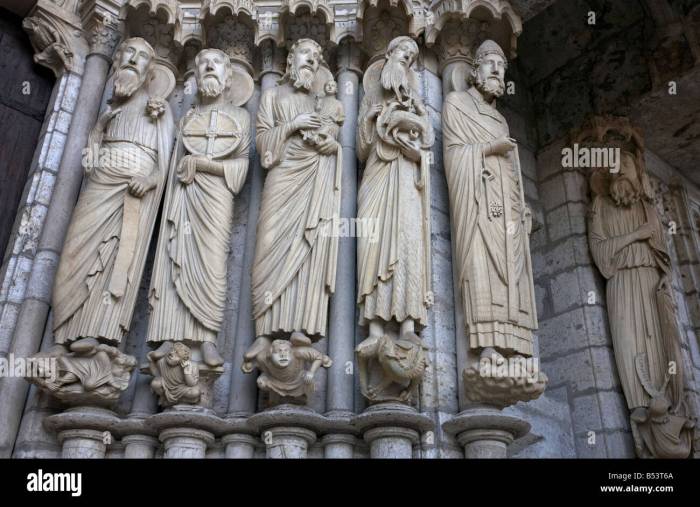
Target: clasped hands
x,y
311,121
188,167
501,146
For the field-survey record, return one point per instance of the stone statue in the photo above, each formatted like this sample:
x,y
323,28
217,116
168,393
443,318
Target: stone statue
x,y
106,244
283,364
176,376
209,167
90,373
394,280
491,225
628,244
296,253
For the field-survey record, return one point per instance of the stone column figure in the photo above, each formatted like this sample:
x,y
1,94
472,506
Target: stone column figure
x,y
98,276
296,248
629,247
188,286
491,225
393,257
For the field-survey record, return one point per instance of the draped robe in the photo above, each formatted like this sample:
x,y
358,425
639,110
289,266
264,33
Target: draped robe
x,y
88,300
189,283
642,320
296,251
490,239
394,267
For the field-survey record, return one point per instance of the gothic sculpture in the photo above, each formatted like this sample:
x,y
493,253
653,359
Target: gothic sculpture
x,y
209,167
394,289
491,225
296,252
106,244
628,244
176,375
283,364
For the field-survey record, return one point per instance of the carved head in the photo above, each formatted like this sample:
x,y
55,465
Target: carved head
x,y
330,88
626,184
303,61
281,353
400,56
178,353
489,70
213,72
133,61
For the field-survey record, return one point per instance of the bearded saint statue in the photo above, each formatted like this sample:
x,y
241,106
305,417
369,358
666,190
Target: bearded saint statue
x,y
394,281
491,223
106,244
189,282
628,244
296,253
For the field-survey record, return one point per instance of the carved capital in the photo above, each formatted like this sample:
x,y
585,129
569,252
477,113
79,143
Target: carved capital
x,y
54,31
159,22
101,23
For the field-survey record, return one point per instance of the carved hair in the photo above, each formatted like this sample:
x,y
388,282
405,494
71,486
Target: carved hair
x,y
488,47
396,42
227,59
290,57
182,350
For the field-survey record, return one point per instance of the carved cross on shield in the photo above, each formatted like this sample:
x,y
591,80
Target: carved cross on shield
x,y
212,134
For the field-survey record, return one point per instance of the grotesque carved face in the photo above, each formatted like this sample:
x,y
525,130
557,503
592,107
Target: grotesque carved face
x,y
303,63
281,353
625,187
133,63
178,353
211,68
489,75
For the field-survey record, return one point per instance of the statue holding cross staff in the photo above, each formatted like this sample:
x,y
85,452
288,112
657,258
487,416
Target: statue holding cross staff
x,y
209,167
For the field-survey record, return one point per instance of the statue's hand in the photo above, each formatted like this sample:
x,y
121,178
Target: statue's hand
x,y
186,169
107,116
410,149
140,185
502,146
327,146
306,121
528,220
644,232
374,111
308,378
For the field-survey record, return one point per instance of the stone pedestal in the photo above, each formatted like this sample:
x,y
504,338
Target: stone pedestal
x,y
239,441
139,446
486,433
287,430
392,429
186,431
185,443
338,446
84,432
82,444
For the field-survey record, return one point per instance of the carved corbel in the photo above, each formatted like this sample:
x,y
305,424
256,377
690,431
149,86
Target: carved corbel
x,y
55,33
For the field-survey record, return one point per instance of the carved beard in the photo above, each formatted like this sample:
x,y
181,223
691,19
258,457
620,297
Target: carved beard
x,y
623,192
301,78
491,85
210,86
126,81
394,78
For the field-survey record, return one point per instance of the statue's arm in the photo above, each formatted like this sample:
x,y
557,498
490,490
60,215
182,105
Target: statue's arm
x,y
366,131
271,135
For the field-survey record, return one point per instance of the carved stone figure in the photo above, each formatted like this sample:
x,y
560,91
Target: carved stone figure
x,y
176,375
296,253
106,244
491,225
88,372
394,290
284,367
629,247
209,167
